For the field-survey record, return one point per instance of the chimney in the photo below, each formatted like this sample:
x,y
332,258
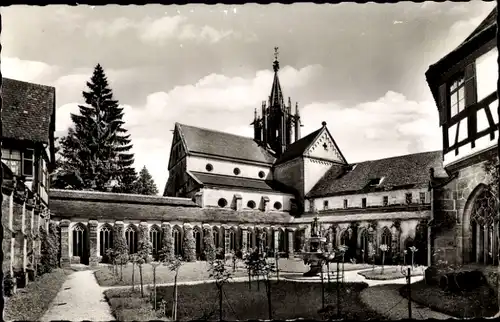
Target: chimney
x,y
198,199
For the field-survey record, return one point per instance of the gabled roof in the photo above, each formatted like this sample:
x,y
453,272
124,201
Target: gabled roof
x,y
214,143
298,148
27,110
481,35
406,171
217,180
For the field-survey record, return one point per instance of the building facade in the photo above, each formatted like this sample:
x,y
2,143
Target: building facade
x,y
265,190
465,229
28,115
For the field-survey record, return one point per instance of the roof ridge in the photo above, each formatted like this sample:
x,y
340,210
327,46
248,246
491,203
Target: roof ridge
x,y
397,156
26,82
117,194
216,131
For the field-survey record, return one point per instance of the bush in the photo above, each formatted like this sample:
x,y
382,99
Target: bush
x,y
189,245
167,251
210,251
49,258
9,284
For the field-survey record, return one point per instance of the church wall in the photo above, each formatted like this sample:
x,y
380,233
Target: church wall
x,y
373,199
314,170
227,167
291,173
318,150
452,244
211,198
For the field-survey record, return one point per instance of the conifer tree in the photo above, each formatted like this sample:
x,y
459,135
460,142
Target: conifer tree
x,y
94,154
145,184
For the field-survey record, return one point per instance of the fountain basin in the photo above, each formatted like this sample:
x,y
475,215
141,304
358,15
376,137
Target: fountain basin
x,y
314,260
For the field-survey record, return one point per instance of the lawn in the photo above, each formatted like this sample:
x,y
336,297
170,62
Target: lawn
x,y
290,300
389,273
31,302
197,271
481,302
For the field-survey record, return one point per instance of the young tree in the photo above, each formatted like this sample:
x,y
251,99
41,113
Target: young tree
x,y
221,275
384,248
120,248
145,185
174,265
154,265
94,153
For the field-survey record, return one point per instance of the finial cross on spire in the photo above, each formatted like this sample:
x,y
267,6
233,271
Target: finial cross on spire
x,y
276,53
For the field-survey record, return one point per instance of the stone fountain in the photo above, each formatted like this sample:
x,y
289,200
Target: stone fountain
x,y
316,253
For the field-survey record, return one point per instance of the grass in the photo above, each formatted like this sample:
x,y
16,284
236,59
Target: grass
x,y
200,302
31,302
478,303
197,271
390,273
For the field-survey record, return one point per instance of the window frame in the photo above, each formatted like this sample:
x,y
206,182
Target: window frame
x,y
460,78
325,204
385,201
346,204
363,202
408,198
422,197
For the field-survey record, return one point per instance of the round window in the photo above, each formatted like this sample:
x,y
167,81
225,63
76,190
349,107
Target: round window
x,y
236,171
261,174
251,204
209,167
222,202
277,205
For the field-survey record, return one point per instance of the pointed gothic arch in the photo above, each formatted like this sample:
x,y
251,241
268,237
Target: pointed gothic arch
x,y
155,237
177,238
131,236
80,242
386,238
105,241
363,244
198,239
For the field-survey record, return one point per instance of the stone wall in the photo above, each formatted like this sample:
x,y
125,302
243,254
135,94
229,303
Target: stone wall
x,y
21,245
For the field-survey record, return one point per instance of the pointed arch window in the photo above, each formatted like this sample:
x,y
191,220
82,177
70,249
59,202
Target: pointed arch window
x,y
344,238
131,236
177,241
485,229
232,240
155,238
79,240
106,239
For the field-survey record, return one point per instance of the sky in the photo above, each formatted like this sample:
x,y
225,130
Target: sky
x,y
358,67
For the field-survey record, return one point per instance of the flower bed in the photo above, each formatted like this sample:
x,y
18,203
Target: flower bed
x,y
31,302
389,273
481,302
242,303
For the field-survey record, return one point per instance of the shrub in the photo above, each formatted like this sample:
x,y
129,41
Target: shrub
x,y
189,245
210,252
167,251
49,254
144,246
9,284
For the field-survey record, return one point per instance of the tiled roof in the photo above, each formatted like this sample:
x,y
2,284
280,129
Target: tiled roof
x,y
410,170
111,211
488,22
75,195
217,180
297,148
27,110
215,143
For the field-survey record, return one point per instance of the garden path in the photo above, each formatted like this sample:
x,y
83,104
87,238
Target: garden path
x,y
79,299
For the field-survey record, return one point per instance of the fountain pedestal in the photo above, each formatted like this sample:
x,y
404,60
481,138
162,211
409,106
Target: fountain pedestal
x,y
315,257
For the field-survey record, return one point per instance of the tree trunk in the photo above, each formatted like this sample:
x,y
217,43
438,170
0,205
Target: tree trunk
x,y
175,296
133,276
322,288
154,285
269,304
140,276
121,271
249,280
220,303
383,260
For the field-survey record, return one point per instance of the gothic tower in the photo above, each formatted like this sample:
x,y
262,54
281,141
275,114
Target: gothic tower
x,y
275,128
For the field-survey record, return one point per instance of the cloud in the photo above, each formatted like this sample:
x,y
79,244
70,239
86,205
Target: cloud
x,y
391,125
27,70
158,31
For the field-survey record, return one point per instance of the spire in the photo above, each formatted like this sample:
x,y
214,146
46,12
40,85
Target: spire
x,y
276,97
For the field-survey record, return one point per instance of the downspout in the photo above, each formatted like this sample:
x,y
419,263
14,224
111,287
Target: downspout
x,y
429,239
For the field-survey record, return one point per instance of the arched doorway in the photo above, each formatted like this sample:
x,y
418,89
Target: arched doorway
x,y
281,241
105,241
80,243
484,229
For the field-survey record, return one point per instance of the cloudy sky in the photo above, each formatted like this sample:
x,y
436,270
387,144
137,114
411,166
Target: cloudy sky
x,y
358,67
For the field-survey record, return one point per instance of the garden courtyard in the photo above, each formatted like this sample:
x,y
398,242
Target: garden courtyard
x,y
366,292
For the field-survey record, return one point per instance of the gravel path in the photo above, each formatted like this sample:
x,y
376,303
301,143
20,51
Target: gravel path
x,y
79,299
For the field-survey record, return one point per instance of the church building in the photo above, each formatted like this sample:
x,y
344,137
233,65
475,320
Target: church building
x,y
265,190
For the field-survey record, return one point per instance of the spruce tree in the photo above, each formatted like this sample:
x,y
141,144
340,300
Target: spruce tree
x,y
95,151
145,184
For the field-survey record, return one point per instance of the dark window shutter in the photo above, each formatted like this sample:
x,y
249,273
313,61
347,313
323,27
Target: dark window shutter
x,y
443,106
470,85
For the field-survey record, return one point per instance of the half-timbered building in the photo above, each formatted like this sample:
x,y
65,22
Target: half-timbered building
x,y
464,86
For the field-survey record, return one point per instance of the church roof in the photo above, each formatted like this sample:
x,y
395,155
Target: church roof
x,y
406,171
214,143
217,180
276,97
27,110
107,207
298,148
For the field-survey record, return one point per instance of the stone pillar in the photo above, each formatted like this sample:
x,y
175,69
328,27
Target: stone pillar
x,y
65,255
93,236
226,240
485,244
244,237
291,239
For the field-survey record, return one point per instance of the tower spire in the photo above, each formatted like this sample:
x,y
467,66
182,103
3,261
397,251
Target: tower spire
x,y
276,64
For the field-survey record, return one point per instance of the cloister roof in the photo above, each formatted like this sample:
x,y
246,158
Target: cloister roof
x,y
103,206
